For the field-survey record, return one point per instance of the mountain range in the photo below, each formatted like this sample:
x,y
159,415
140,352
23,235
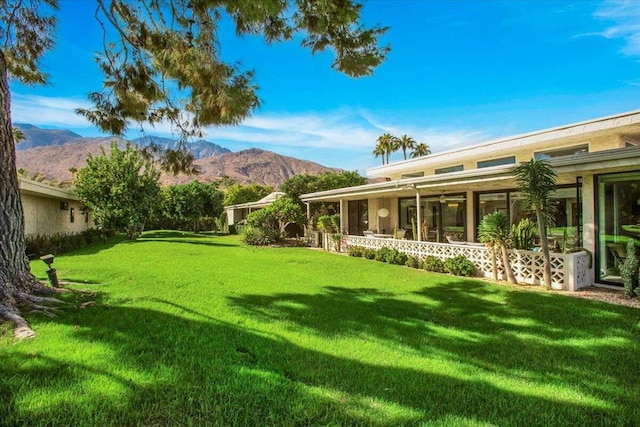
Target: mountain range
x,y
49,154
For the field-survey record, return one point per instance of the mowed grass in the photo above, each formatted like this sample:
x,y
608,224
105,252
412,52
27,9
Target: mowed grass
x,y
201,330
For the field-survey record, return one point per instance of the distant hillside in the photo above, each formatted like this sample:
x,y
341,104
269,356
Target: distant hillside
x,y
37,137
200,148
253,165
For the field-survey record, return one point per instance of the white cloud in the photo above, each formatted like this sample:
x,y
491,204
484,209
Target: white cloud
x,y
623,17
343,138
48,111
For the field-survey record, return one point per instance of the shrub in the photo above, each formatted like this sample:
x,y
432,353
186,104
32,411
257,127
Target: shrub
x,y
629,270
459,266
396,257
381,254
38,245
369,253
356,251
413,262
432,263
258,236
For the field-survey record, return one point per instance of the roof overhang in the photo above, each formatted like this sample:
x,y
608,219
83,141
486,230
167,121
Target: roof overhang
x,y
626,125
34,188
498,177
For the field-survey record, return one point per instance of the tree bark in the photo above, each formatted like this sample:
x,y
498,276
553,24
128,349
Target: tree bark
x,y
544,246
16,280
507,264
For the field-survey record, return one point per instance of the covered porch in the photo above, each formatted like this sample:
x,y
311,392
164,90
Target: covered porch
x,y
439,214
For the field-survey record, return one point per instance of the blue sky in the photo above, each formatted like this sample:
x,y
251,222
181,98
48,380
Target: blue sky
x,y
459,73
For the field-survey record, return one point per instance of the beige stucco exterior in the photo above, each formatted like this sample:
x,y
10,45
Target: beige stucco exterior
x,y
580,153
50,210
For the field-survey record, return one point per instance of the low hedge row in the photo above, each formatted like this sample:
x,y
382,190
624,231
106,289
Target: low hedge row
x,y
459,265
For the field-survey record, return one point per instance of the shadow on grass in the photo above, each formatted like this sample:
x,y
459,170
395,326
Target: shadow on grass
x,y
533,337
172,236
161,369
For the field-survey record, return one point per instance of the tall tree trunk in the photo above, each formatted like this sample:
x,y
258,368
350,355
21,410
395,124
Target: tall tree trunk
x,y
544,245
17,284
507,264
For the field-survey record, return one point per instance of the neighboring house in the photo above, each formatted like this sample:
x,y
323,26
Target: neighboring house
x,y
51,210
598,200
237,213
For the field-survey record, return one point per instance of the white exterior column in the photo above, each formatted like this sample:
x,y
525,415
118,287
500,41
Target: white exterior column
x,y
471,216
341,215
418,217
589,237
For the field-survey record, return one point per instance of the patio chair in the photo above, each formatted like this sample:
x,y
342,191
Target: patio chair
x,y
400,232
368,233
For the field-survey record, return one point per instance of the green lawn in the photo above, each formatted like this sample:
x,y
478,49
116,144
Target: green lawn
x,y
201,330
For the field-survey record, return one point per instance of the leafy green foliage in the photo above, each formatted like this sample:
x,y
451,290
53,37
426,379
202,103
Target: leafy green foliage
x,y
236,194
185,205
300,184
149,55
329,223
121,190
460,266
60,243
413,262
356,251
391,256
369,253
629,269
524,233
433,263
278,216
259,236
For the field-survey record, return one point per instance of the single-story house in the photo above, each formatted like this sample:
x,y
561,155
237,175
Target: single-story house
x,y
438,200
239,212
51,210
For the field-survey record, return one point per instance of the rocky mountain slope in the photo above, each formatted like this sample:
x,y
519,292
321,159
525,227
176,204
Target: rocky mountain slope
x,y
52,161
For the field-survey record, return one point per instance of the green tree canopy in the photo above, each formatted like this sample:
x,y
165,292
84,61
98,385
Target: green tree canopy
x,y
278,215
238,193
300,184
121,189
191,203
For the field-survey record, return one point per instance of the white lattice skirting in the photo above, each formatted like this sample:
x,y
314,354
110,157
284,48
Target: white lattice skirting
x,y
568,271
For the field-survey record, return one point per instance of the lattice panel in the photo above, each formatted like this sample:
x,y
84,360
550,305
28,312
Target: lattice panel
x,y
526,265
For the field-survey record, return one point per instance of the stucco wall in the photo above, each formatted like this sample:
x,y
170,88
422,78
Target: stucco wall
x,y
44,216
524,154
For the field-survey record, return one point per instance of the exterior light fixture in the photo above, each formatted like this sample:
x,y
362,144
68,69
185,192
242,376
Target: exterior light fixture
x,y
442,199
383,213
51,272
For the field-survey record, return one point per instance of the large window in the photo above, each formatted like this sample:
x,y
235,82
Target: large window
x,y
564,233
358,217
618,222
497,162
443,218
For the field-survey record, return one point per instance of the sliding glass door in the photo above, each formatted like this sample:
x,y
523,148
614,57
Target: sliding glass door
x,y
618,222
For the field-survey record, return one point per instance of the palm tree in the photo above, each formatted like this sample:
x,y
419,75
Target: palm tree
x,y
386,145
420,149
406,143
537,181
494,230
378,151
